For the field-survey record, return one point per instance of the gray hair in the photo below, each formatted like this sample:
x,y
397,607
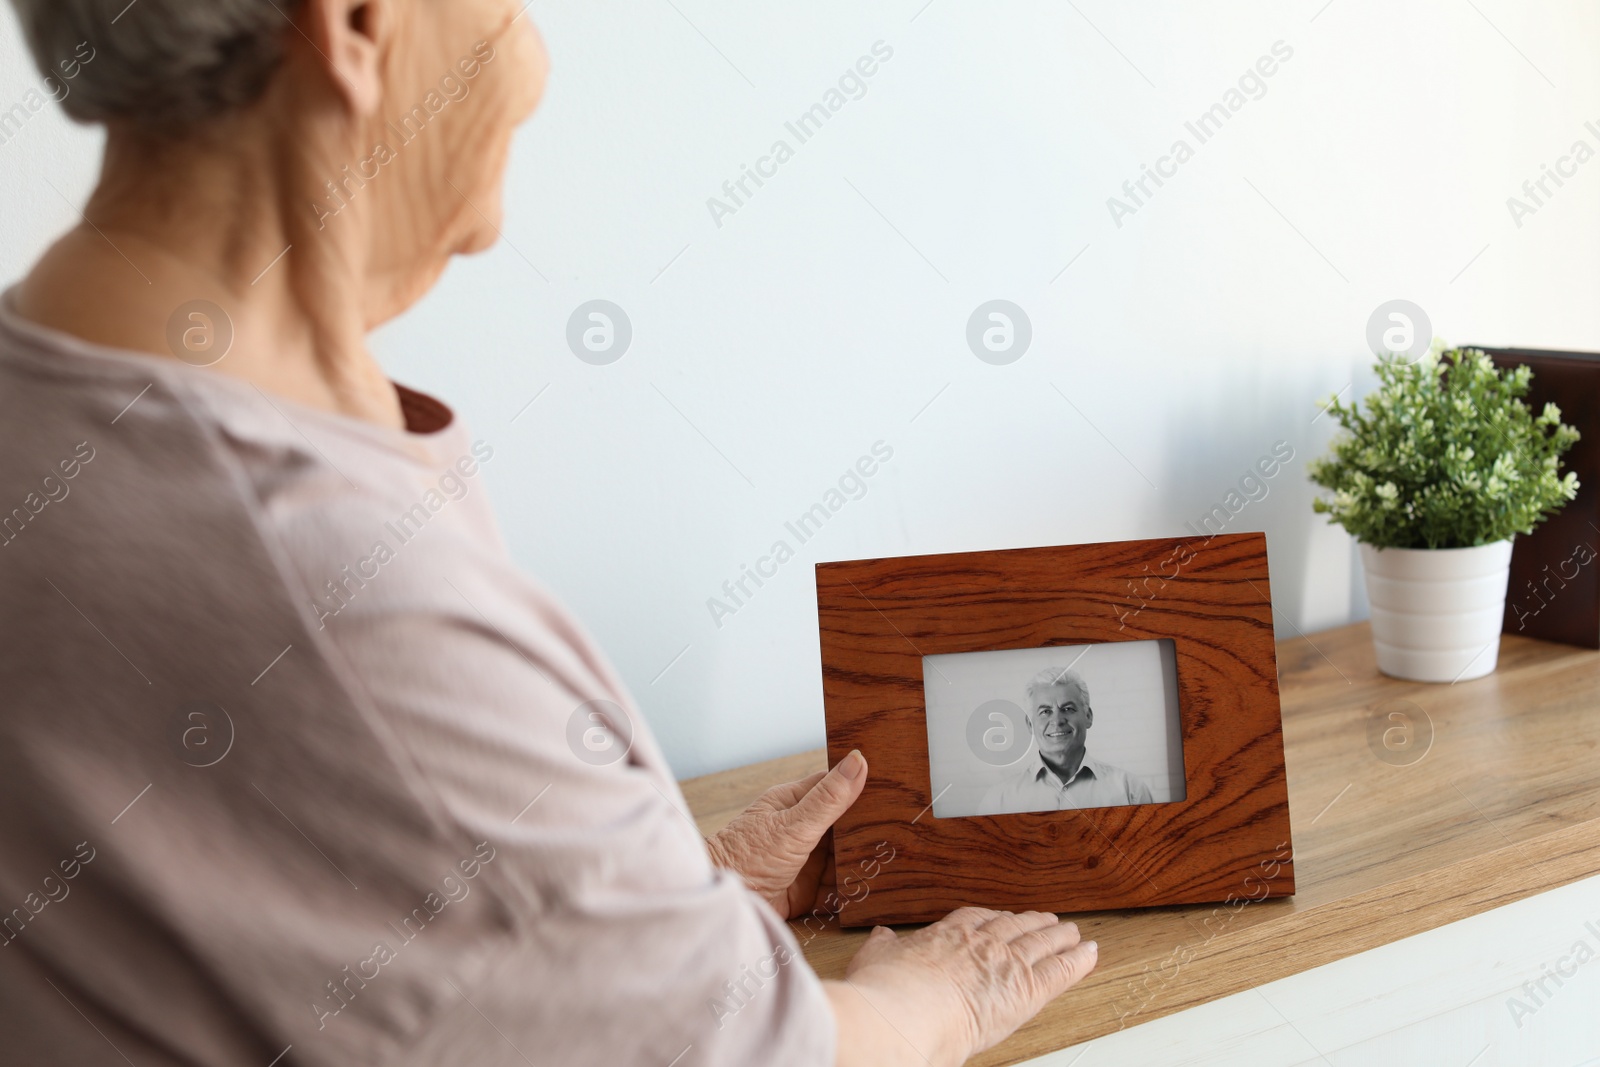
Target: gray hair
x,y
162,65
1057,676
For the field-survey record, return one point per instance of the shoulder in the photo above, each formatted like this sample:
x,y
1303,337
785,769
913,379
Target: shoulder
x,y
1131,785
1102,769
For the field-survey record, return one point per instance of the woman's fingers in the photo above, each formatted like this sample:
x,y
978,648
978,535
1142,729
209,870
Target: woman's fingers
x,y
1063,970
1000,967
971,918
1045,959
1009,926
785,796
1048,941
829,797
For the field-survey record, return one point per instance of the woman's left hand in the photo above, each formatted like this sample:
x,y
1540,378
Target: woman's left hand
x,y
780,845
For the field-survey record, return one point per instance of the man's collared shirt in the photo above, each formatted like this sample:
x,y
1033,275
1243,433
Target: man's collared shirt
x,y
1037,788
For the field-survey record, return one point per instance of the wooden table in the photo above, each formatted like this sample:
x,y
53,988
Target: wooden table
x,y
1504,804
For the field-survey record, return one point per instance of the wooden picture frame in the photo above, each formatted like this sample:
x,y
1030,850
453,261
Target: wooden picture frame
x,y
1227,840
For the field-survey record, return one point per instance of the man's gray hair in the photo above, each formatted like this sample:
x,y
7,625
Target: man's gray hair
x,y
1057,676
161,65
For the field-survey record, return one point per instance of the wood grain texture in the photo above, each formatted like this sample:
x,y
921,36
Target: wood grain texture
x,y
1228,838
1505,804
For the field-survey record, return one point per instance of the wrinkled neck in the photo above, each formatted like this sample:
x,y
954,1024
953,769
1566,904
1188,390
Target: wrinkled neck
x,y
228,217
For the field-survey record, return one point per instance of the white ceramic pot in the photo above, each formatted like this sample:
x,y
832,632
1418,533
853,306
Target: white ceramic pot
x,y
1436,612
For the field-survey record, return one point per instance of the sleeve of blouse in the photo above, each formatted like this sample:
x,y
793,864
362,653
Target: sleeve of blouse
x,y
626,946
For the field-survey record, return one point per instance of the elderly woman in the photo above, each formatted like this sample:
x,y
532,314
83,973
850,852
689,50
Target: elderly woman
x,y
296,767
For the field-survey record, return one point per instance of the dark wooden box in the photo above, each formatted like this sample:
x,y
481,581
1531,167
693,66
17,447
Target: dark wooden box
x,y
1554,593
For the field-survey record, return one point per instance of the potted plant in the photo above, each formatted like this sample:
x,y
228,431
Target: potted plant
x,y
1434,474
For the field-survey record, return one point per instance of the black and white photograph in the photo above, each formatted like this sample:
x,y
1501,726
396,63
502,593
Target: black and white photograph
x,y
1052,729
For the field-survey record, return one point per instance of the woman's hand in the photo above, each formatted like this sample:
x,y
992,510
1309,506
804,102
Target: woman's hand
x,y
948,991
781,844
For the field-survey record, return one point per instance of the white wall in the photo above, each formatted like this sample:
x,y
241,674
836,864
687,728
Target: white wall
x,y
824,315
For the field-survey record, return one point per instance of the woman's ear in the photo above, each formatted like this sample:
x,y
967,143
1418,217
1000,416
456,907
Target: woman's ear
x,y
348,35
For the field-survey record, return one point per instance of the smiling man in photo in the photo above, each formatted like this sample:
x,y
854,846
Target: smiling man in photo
x,y
1063,775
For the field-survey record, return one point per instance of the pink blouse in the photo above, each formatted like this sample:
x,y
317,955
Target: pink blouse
x,y
295,763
